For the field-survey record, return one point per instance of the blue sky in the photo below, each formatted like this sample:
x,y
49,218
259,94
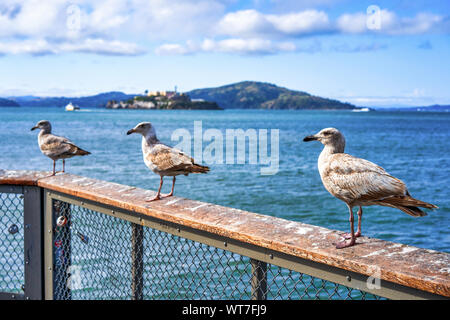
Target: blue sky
x,y
396,56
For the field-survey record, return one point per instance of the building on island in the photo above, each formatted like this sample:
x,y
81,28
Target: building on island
x,y
165,93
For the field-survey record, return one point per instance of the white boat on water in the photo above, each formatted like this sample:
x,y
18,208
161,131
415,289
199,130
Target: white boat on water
x,y
71,107
361,110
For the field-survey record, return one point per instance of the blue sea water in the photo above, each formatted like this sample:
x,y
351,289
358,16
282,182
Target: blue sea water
x,y
412,146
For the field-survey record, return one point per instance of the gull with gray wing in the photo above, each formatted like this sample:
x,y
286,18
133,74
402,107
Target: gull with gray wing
x,y
56,147
162,159
359,182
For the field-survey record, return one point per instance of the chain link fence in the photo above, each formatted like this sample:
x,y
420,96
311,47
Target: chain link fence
x,y
75,246
12,277
98,256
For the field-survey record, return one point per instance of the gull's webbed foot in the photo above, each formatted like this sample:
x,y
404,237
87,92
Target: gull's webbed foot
x,y
157,197
345,244
348,235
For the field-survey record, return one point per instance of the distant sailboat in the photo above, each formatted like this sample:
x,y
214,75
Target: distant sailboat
x,y
71,107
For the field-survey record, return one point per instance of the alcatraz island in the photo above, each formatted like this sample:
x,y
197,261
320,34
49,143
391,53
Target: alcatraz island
x,y
169,100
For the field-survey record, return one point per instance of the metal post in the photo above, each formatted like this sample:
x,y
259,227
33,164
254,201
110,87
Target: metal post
x,y
33,243
137,261
61,251
259,280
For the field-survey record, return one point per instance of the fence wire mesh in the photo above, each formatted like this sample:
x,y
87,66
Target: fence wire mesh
x,y
98,256
11,243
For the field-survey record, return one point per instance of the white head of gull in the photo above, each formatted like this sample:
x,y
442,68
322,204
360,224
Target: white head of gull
x,y
359,182
162,159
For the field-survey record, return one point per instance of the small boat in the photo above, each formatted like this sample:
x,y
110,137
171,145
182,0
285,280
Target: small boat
x,y
361,110
71,107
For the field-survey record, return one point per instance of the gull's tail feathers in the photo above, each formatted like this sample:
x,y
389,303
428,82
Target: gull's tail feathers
x,y
196,168
408,205
81,152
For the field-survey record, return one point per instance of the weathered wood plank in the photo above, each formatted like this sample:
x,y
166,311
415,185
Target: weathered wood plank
x,y
22,177
423,269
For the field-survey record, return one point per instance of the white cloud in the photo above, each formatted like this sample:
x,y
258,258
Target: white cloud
x,y
368,47
250,46
106,16
153,18
300,23
43,47
244,23
420,24
29,18
303,4
251,23
172,49
34,47
257,46
391,23
115,26
101,46
241,46
51,26
352,23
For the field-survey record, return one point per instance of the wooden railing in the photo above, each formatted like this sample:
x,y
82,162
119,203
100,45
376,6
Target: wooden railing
x,y
374,266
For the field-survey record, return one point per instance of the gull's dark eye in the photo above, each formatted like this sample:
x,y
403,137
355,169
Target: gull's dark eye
x,y
327,133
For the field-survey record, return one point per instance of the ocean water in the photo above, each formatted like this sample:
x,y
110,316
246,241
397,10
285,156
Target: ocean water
x,y
411,146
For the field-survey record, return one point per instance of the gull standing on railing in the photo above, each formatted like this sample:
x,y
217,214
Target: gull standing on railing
x,y
359,182
56,147
162,159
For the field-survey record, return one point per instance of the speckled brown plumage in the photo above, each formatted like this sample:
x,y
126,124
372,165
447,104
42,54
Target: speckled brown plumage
x,y
162,159
56,147
359,182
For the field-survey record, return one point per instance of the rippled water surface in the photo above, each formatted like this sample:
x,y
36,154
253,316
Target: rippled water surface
x,y
411,146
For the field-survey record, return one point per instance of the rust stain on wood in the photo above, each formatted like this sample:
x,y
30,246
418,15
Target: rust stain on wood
x,y
423,269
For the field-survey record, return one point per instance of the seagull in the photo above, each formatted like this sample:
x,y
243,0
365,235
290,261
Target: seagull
x,y
359,182
56,147
162,159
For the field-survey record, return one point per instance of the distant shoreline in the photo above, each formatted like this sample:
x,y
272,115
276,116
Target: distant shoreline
x,y
241,95
377,110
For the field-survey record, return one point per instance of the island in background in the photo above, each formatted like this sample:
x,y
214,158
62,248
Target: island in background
x,y
94,101
262,95
241,95
166,100
8,103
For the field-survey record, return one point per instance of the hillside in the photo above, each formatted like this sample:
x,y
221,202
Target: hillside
x,y
242,95
95,101
260,95
8,103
